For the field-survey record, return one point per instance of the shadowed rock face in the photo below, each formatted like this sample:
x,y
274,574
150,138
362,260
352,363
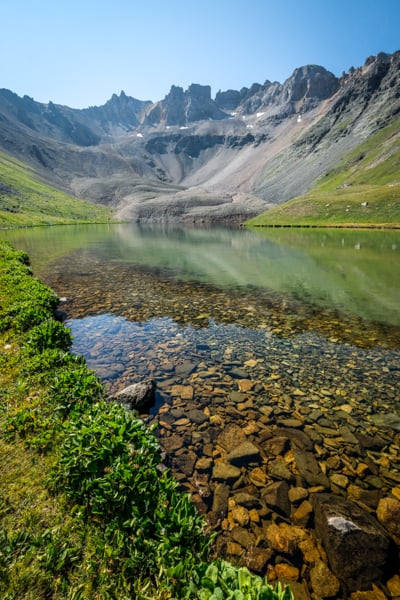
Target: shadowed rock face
x,y
191,157
358,548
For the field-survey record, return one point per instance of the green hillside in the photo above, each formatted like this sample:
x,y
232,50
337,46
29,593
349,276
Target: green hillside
x,y
364,190
26,200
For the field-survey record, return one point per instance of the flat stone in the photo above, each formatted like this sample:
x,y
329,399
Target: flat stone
x,y
203,464
171,443
297,437
277,469
185,369
182,391
240,515
225,472
197,416
231,437
246,500
258,477
243,454
276,445
245,385
361,496
309,468
340,480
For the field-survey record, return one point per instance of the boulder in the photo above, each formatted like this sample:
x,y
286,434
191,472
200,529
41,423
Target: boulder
x,y
137,395
357,546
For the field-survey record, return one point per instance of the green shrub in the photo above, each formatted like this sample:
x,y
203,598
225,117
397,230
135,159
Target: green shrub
x,y
47,335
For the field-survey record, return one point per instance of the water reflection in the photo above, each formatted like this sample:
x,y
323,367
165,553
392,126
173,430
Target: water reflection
x,y
356,272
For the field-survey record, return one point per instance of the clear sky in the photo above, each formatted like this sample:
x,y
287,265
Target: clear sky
x,y
80,52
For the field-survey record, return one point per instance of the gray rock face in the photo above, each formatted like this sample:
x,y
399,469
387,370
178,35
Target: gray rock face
x,y
357,546
137,395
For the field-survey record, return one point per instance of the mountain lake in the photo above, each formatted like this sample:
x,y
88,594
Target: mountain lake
x,y
274,334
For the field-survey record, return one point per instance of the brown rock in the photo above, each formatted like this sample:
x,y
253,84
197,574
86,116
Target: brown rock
x,y
240,515
275,495
225,472
220,503
309,468
243,537
297,494
258,477
286,572
171,443
245,385
366,497
243,454
374,594
276,446
388,513
393,585
231,437
284,538
303,513
257,559
182,391
185,462
203,464
323,582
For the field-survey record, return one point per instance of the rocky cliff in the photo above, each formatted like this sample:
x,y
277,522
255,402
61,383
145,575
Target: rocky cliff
x,y
192,157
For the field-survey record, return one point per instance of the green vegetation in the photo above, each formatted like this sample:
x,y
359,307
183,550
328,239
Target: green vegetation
x,y
25,200
86,509
364,190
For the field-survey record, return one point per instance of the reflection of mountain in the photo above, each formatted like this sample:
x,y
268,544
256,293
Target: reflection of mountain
x,y
353,271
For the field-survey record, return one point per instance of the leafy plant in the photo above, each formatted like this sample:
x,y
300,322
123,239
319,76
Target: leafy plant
x,y
47,335
223,581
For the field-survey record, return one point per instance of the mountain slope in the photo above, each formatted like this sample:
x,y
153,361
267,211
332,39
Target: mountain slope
x,y
25,200
193,158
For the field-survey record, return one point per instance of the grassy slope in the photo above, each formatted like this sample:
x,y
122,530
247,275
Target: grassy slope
x,y
371,174
25,200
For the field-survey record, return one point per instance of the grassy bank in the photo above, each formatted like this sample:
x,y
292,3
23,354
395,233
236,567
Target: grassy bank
x,y
25,200
86,511
363,191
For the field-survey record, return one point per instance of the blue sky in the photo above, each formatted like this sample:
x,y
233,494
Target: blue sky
x,y
79,53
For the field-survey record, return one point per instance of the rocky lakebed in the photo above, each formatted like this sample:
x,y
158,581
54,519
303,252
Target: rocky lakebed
x,y
281,419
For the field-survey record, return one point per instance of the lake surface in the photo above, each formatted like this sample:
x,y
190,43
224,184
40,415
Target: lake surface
x,y
260,334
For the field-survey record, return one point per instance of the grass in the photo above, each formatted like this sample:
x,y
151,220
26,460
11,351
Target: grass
x,y
363,191
25,200
86,511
